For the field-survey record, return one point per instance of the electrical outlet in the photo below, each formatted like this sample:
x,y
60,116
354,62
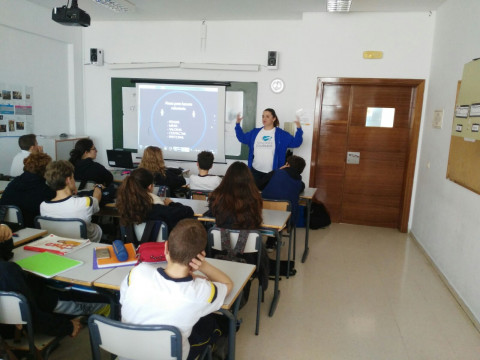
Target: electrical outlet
x,y
437,119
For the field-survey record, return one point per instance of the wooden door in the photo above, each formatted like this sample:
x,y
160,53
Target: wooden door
x,y
377,190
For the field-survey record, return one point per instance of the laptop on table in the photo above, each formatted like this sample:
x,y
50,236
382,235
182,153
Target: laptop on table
x,y
120,159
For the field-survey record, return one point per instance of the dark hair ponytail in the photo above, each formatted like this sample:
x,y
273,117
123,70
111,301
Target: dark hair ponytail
x,y
81,146
276,123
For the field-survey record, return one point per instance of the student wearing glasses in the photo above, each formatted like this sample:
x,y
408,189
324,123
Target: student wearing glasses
x,y
86,169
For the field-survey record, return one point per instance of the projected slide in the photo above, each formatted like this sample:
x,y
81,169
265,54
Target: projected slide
x,y
182,120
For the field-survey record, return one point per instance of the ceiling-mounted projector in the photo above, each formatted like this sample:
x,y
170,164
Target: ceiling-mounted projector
x,y
72,16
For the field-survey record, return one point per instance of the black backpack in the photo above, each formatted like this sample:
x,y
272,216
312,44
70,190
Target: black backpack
x,y
319,216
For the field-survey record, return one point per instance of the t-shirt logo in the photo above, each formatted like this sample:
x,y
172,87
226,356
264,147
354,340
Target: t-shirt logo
x,y
267,138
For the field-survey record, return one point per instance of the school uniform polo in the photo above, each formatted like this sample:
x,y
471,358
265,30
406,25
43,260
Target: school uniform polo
x,y
149,296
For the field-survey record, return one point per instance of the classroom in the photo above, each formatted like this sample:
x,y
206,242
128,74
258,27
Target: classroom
x,y
74,97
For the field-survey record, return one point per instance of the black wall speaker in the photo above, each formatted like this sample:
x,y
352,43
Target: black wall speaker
x,y
96,56
272,60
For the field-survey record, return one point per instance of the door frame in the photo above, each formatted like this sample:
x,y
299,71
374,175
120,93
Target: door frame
x,y
418,86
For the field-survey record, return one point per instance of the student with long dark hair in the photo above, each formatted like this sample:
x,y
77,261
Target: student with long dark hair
x,y
86,169
236,203
137,204
267,145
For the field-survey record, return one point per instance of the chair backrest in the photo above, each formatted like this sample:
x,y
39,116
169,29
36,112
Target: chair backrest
x,y
198,194
142,342
161,190
272,204
162,234
13,215
68,227
14,309
253,245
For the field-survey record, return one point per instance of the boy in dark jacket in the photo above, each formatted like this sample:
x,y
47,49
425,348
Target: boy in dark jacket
x,y
285,183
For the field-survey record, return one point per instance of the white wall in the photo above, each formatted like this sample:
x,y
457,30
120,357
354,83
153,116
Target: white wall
x,y
319,45
445,217
37,52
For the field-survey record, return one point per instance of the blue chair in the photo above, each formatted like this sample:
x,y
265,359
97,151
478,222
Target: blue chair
x,y
68,227
14,309
135,342
13,215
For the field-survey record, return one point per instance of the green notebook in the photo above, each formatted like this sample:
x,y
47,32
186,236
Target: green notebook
x,y
47,264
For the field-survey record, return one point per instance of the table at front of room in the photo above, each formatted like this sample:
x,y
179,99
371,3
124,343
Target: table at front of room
x,y
240,273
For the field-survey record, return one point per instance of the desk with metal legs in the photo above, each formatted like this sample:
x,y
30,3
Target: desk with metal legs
x,y
307,196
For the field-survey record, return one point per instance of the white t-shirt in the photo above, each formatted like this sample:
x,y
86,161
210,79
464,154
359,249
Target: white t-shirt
x,y
150,297
205,182
264,150
17,164
75,207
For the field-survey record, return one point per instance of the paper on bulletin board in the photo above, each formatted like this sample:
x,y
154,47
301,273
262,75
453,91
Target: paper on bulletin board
x,y
464,152
466,122
16,109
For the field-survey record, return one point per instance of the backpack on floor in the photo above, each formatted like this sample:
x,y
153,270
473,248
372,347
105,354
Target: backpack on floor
x,y
319,216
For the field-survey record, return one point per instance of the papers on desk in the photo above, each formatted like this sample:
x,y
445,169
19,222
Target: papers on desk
x,y
112,261
47,264
57,245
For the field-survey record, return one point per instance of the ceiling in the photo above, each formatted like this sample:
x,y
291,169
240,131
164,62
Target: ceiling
x,y
236,9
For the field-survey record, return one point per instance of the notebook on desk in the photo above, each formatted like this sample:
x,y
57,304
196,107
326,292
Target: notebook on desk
x,y
120,159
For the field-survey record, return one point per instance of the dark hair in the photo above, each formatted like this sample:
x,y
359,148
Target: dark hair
x,y
276,123
236,202
297,163
81,146
187,239
205,160
57,172
27,141
133,200
36,163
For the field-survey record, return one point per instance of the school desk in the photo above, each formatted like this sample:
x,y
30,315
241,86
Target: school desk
x,y
307,196
25,235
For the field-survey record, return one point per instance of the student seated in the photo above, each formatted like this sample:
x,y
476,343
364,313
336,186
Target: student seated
x,y
204,181
28,144
86,169
285,183
174,296
152,160
52,311
236,204
29,190
65,204
137,204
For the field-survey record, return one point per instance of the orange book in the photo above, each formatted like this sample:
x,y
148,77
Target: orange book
x,y
112,260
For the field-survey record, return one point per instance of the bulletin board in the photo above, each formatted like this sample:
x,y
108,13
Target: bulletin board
x,y
16,109
464,155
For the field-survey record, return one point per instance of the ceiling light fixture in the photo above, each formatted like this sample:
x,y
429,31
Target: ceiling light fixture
x,y
116,5
338,5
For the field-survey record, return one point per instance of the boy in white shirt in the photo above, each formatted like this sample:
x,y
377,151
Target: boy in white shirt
x,y
204,181
174,296
59,176
28,144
